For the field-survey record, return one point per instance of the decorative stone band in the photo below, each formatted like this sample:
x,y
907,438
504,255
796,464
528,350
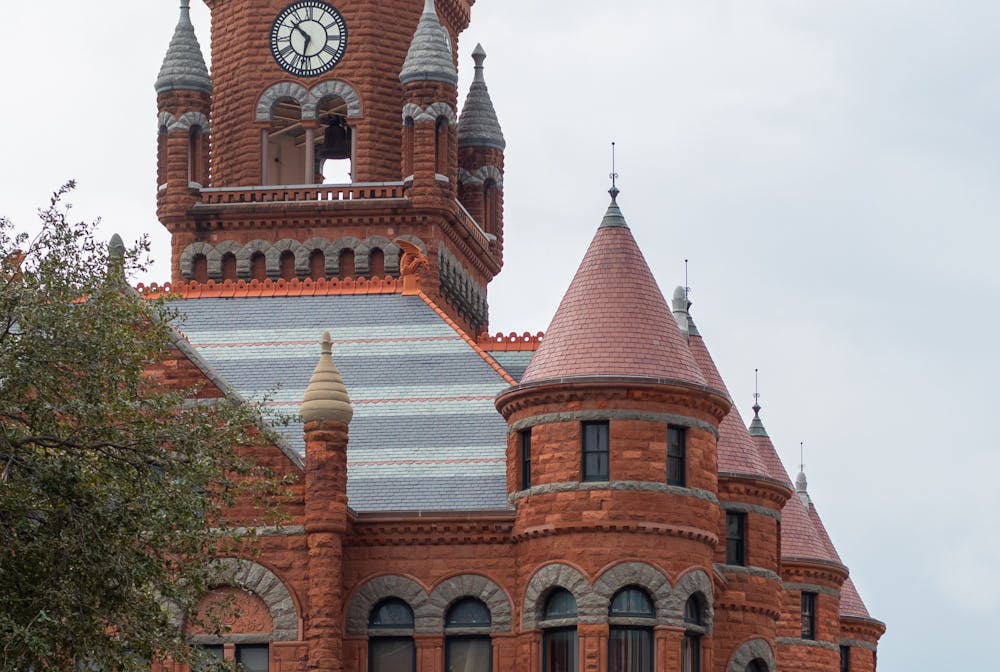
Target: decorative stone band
x,y
796,641
812,588
511,342
263,583
755,649
431,113
429,609
859,643
593,600
270,531
613,414
740,507
308,99
752,571
461,290
640,486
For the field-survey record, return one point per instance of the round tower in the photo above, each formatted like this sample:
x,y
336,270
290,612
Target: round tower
x,y
184,92
430,100
612,463
481,148
748,554
327,412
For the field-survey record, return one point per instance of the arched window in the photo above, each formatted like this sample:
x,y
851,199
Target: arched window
x,y
317,265
694,628
491,207
199,267
390,637
408,140
441,146
376,263
195,155
229,266
286,264
334,153
258,266
467,643
559,643
161,157
632,617
757,665
346,264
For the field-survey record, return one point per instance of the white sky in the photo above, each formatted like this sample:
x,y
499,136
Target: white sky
x,y
829,168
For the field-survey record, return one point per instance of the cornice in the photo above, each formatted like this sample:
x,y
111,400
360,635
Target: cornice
x,y
808,568
755,486
657,529
387,530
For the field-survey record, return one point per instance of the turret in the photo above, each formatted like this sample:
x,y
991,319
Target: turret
x,y
481,155
612,449
326,412
184,90
430,99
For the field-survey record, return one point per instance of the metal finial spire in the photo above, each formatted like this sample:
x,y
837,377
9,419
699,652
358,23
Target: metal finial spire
x,y
756,393
802,456
687,287
614,191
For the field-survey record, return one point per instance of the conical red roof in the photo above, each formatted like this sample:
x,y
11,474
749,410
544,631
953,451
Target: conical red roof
x,y
737,451
851,604
823,534
613,320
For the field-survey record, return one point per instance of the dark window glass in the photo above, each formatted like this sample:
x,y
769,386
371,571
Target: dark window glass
x,y
251,657
595,451
630,650
561,604
691,652
632,603
693,611
468,654
845,659
525,459
214,650
468,613
736,541
808,615
391,654
559,649
391,613
676,449
757,665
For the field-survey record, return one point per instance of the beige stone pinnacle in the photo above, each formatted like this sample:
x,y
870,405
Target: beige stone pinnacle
x,y
326,397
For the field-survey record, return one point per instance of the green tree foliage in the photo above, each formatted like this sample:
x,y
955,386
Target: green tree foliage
x,y
111,484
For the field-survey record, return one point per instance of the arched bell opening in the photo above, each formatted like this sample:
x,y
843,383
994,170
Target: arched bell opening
x,y
197,153
258,266
491,206
334,140
346,264
285,154
441,139
229,266
161,156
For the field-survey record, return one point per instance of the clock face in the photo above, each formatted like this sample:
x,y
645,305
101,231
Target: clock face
x,y
308,38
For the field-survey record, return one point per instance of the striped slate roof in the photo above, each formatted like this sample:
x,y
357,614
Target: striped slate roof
x,y
425,434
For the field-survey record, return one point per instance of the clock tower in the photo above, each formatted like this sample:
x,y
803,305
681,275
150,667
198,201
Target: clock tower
x,y
326,141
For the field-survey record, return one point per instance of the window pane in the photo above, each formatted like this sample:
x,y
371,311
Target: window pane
x,y
692,610
468,654
252,657
525,459
691,653
632,602
561,604
595,451
735,538
559,650
845,659
630,650
391,613
675,456
469,613
808,615
391,654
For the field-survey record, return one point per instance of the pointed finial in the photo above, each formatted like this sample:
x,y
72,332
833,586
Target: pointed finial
x,y
326,398
429,7
802,457
116,248
801,485
756,393
687,287
614,191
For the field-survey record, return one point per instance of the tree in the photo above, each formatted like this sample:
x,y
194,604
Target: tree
x,y
112,484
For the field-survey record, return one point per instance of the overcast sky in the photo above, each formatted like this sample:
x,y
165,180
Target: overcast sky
x,y
829,168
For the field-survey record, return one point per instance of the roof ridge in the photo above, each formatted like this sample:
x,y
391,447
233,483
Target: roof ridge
x,y
475,346
268,288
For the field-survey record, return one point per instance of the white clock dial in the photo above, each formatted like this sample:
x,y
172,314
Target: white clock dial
x,y
308,38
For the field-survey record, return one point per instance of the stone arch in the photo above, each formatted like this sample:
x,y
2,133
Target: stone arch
x,y
637,574
380,588
411,111
191,119
266,585
295,247
278,92
331,256
694,581
332,89
389,249
558,575
215,258
748,652
165,120
245,255
438,110
192,251
486,173
477,586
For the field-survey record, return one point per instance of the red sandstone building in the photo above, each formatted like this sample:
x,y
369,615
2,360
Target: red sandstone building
x,y
590,500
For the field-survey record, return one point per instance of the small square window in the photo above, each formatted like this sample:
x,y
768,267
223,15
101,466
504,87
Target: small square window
x,y
595,451
736,538
252,657
526,459
808,615
676,456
